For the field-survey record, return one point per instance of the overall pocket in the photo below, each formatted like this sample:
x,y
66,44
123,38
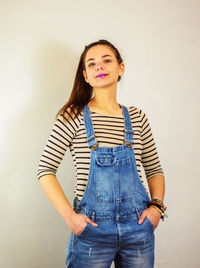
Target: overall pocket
x,y
149,223
105,177
114,176
85,230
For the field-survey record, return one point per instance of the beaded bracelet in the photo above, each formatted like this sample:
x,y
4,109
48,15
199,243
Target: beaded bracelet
x,y
163,214
158,204
157,209
157,200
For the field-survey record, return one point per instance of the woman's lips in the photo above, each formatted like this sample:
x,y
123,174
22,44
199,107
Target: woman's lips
x,y
101,75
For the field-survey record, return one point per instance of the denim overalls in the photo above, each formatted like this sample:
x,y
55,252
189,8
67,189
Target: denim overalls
x,y
114,198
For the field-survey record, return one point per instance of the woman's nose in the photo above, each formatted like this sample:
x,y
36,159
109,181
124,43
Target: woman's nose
x,y
99,66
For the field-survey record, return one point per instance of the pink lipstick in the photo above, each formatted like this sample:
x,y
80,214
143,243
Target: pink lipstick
x,y
101,75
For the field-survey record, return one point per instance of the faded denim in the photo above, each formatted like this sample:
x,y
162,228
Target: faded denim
x,y
114,198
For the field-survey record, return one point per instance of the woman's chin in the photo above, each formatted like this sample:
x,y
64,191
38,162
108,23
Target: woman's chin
x,y
104,84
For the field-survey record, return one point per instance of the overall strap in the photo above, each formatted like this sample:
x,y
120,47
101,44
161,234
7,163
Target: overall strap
x,y
128,127
89,128
92,142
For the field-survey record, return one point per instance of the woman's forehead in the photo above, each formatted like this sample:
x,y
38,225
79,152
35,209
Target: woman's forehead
x,y
99,50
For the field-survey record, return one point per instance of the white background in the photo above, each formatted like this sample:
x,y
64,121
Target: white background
x,y
40,45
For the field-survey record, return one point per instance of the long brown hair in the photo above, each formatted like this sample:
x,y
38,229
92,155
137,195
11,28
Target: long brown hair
x,y
82,91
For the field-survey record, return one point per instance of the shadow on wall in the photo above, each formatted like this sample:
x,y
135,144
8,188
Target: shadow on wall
x,y
54,66
53,70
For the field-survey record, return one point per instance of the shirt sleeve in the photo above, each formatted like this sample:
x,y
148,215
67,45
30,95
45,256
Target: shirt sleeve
x,y
59,140
149,158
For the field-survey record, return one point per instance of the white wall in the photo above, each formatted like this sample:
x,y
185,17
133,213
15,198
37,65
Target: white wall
x,y
41,42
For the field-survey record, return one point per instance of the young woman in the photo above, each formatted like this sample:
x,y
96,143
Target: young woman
x,y
113,218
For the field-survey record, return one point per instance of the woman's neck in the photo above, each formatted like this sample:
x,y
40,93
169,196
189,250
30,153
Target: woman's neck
x,y
107,107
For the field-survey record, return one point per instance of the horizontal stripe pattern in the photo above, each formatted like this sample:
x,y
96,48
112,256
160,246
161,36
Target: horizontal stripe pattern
x,y
108,130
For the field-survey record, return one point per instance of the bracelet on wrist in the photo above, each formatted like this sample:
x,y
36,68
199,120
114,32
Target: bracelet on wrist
x,y
161,208
157,209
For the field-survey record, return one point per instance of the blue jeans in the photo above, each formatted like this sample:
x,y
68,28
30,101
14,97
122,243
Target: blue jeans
x,y
128,244
114,198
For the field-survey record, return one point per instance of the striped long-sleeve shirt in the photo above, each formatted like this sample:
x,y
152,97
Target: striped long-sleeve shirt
x,y
108,130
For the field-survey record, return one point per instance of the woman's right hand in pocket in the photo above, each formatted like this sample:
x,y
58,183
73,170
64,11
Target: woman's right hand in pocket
x,y
78,222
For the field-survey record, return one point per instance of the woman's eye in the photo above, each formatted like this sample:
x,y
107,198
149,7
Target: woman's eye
x,y
91,64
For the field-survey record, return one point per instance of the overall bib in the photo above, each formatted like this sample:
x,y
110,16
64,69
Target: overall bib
x,y
114,198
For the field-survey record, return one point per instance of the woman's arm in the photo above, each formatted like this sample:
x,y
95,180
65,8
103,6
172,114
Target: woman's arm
x,y
153,170
59,140
55,194
157,189
157,186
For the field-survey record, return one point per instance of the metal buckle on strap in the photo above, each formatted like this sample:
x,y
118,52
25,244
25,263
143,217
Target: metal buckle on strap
x,y
94,147
128,144
91,139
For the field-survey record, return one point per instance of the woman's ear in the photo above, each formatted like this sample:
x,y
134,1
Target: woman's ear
x,y
121,68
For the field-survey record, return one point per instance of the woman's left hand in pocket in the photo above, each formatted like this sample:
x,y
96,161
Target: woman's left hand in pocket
x,y
152,214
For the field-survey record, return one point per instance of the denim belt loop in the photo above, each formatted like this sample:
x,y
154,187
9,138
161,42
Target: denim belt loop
x,y
93,215
138,214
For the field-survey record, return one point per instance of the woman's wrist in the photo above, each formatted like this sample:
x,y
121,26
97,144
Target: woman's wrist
x,y
159,206
69,217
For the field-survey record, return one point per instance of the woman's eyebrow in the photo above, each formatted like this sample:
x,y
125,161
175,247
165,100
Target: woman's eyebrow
x,y
102,57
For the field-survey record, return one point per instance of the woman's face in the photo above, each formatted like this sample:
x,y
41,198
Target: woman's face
x,y
101,59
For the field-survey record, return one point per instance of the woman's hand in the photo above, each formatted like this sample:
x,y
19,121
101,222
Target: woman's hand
x,y
152,214
77,223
